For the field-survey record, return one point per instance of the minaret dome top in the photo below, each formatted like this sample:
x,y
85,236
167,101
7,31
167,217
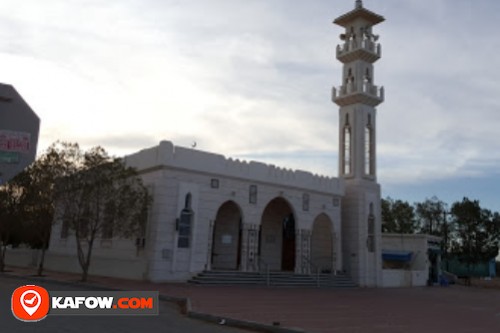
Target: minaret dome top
x,y
359,12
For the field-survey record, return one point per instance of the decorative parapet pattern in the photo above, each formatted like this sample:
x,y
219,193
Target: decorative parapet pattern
x,y
166,154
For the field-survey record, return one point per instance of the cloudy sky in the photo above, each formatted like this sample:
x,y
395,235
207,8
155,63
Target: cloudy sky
x,y
252,80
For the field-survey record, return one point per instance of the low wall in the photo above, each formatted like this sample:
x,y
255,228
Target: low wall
x,y
397,278
122,268
22,257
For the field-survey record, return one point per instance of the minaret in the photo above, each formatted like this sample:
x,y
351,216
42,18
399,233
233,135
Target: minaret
x,y
357,97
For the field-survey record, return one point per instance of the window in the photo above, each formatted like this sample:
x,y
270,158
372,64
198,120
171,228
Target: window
x,y
107,228
65,228
252,194
370,241
184,223
83,228
371,224
369,148
305,202
83,223
214,183
367,78
346,141
350,77
289,227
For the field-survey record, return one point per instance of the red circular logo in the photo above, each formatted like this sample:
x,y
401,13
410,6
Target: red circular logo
x,y
30,303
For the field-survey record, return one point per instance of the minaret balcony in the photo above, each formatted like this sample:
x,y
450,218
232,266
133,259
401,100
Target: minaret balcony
x,y
354,49
352,93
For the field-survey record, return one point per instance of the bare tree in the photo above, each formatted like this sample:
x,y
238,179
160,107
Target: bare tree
x,y
10,219
38,194
102,196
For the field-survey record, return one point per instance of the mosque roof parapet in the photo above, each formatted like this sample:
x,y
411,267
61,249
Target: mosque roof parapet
x,y
168,155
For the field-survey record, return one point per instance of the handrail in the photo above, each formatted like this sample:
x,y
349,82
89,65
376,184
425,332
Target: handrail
x,y
260,263
311,265
253,264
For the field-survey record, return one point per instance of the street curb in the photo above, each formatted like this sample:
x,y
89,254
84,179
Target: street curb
x,y
242,323
184,304
186,309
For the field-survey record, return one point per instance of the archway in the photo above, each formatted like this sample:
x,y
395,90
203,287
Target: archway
x,y
277,236
322,243
226,245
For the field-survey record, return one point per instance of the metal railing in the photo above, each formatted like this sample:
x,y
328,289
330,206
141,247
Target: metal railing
x,y
264,268
307,263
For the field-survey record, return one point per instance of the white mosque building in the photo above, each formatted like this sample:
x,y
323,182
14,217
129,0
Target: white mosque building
x,y
248,220
214,213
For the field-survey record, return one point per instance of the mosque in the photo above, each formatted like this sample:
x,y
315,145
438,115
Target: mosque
x,y
212,213
215,213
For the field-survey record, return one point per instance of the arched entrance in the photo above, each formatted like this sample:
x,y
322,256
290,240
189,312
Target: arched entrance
x,y
277,236
227,237
322,243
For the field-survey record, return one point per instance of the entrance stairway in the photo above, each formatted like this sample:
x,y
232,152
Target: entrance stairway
x,y
281,279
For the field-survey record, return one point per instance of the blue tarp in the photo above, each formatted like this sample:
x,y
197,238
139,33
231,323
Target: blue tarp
x,y
402,256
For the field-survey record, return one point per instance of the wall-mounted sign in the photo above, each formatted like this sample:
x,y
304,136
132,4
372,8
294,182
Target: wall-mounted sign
x,y
9,157
14,141
18,133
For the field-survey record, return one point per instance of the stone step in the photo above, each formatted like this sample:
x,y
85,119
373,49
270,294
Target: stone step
x,y
285,279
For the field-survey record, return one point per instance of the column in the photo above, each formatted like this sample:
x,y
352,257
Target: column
x,y
335,243
208,265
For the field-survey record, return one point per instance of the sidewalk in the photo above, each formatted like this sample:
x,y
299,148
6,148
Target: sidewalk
x,y
432,309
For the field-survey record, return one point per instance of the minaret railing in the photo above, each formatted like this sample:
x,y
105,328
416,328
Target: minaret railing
x,y
353,88
353,45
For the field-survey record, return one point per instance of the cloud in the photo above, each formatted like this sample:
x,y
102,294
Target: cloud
x,y
440,112
253,78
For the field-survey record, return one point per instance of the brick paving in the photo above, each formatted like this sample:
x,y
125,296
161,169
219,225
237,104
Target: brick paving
x,y
431,309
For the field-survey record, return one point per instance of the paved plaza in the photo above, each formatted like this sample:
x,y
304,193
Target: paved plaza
x,y
430,309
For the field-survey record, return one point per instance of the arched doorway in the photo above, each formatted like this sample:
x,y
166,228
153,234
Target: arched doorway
x,y
322,243
227,237
277,236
